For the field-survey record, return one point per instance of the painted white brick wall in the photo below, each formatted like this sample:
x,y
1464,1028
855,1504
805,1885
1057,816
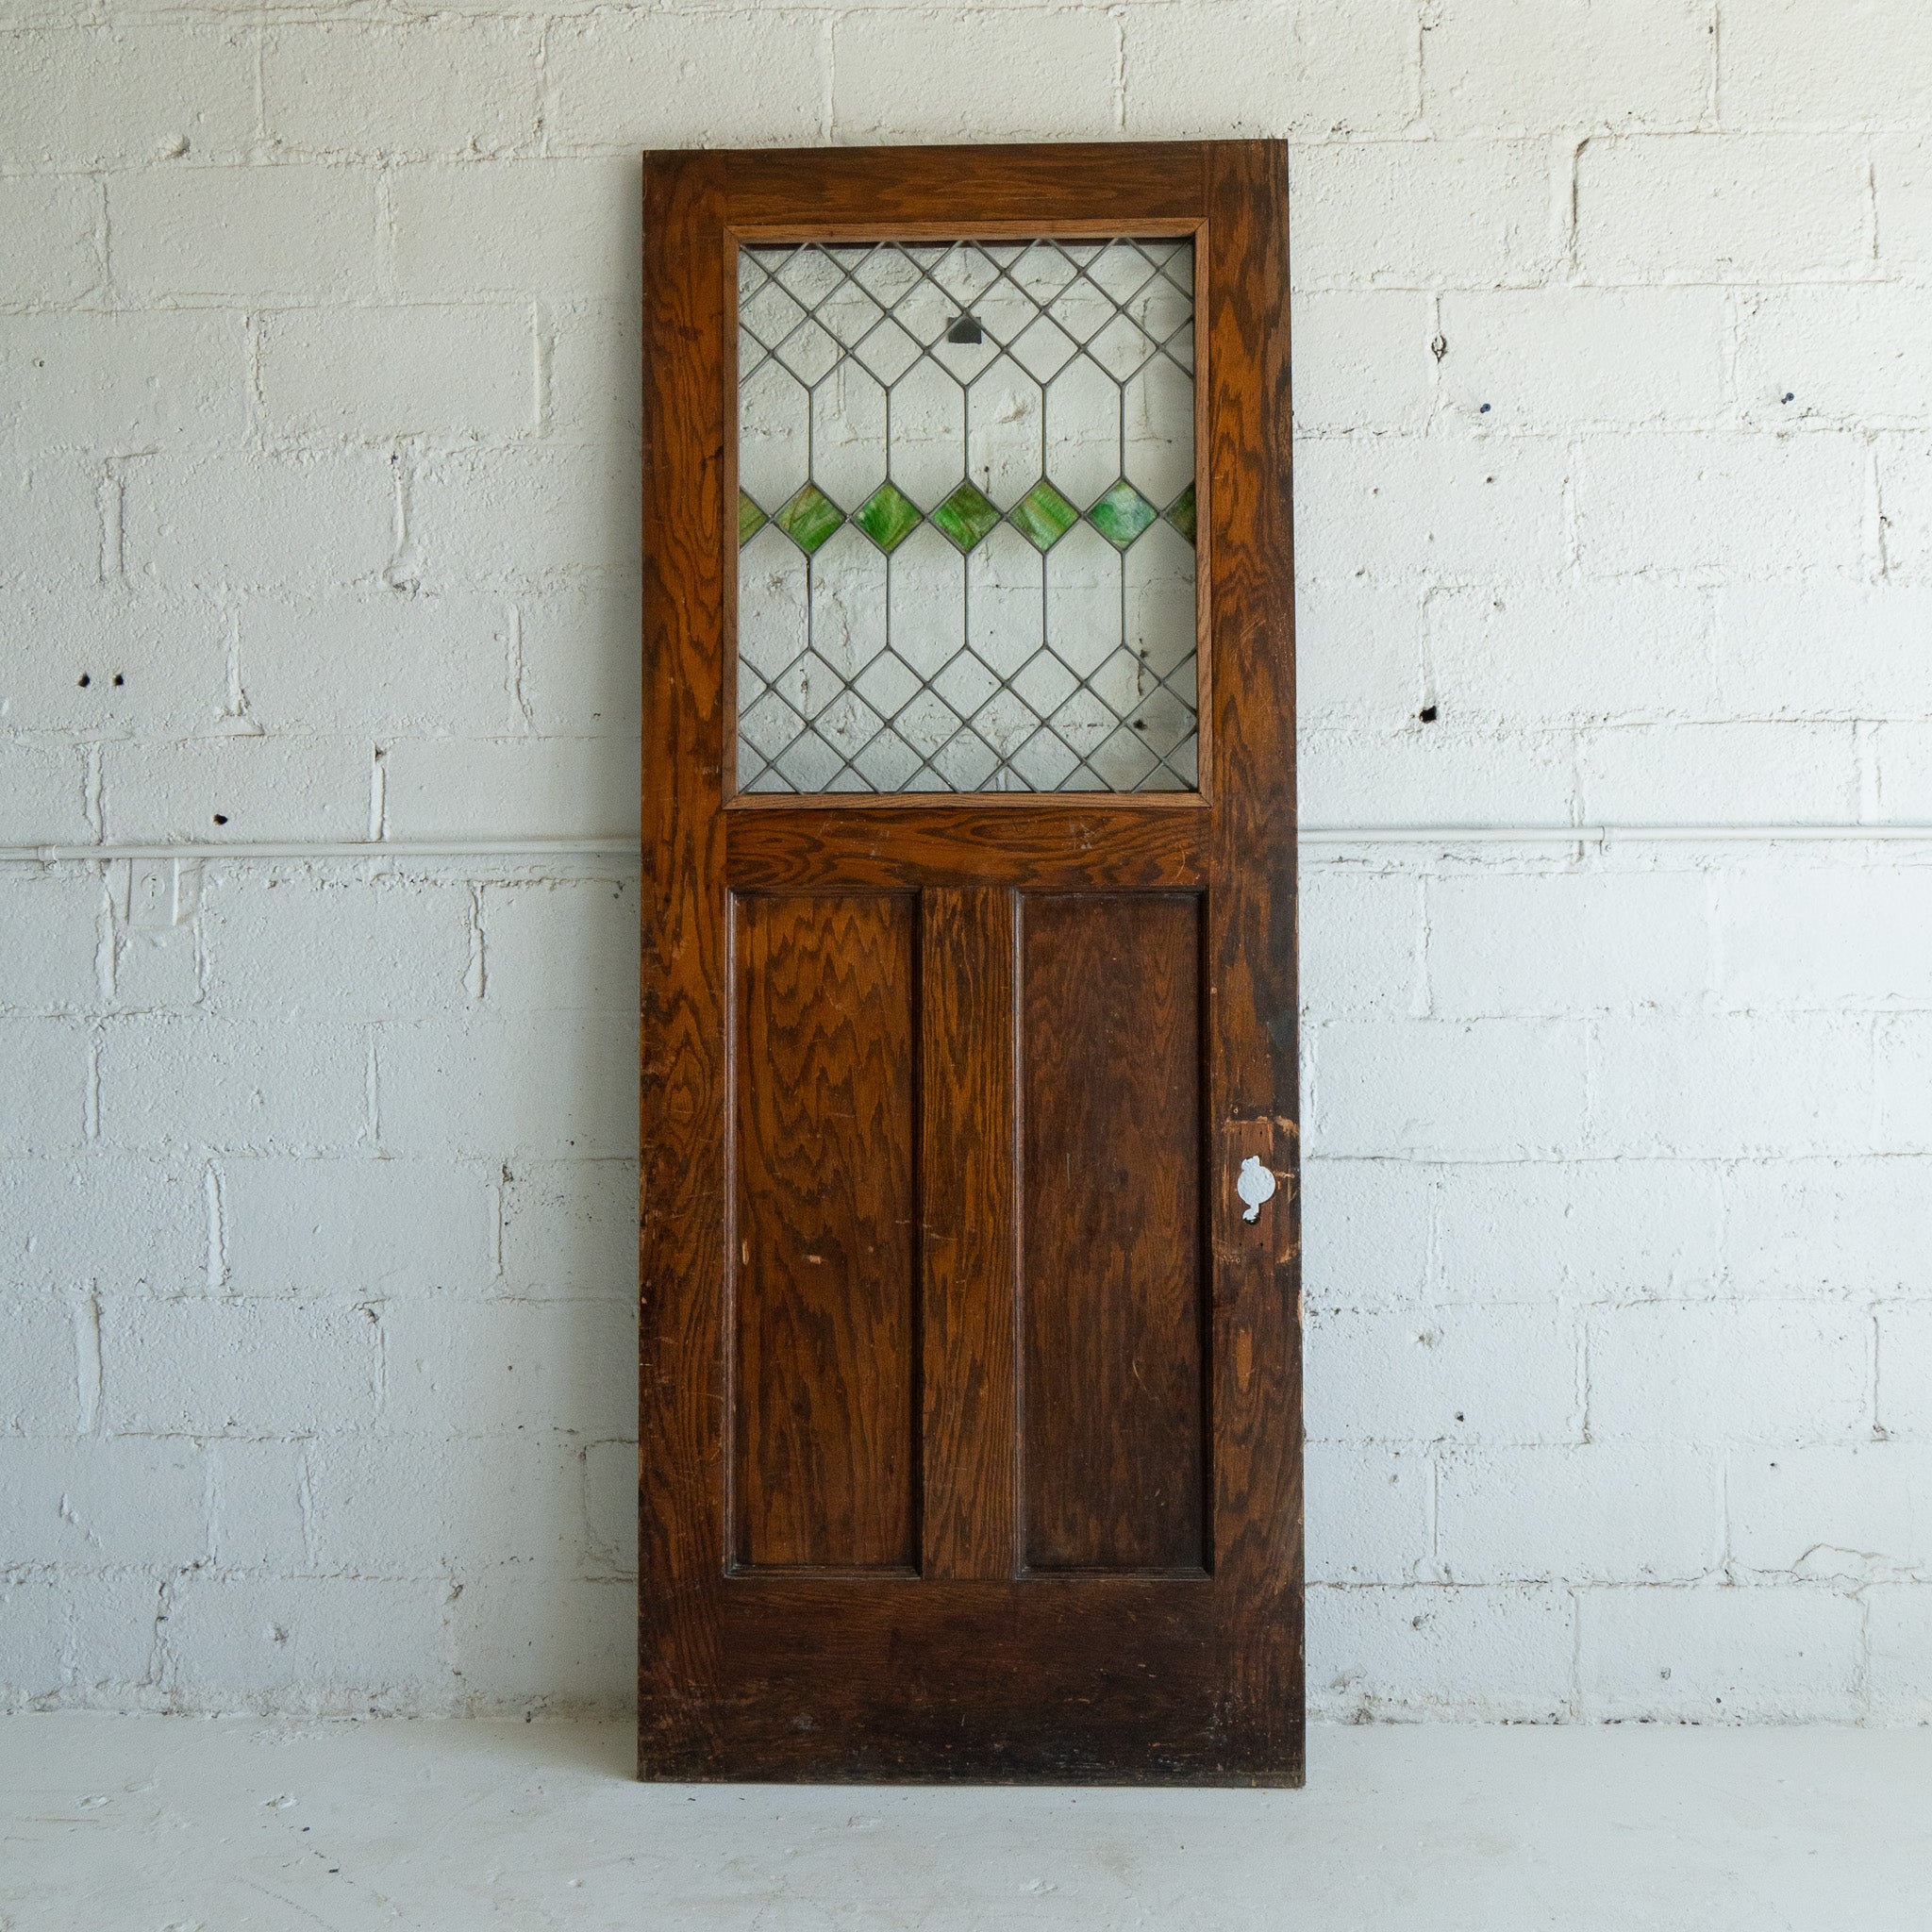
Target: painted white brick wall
x,y
318,482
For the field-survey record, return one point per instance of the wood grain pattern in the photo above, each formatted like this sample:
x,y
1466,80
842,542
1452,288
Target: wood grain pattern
x,y
940,193
1175,1674
1110,1129
965,844
682,1080
1256,1393
1057,1679
968,1232
824,1316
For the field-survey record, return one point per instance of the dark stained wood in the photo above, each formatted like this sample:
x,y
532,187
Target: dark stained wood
x,y
1110,1129
968,1232
1056,844
1253,1056
683,1084
1139,1668
823,1286
940,193
1056,1678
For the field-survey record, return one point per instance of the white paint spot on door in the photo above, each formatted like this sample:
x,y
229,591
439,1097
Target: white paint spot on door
x,y
1255,1185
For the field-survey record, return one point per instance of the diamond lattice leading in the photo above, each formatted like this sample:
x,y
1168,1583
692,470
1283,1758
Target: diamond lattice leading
x,y
966,517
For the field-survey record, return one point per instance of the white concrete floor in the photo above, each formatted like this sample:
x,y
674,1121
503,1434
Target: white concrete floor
x,y
174,1824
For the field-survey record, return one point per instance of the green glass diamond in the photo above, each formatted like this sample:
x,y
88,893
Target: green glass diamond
x,y
751,519
966,516
1042,516
1122,514
809,518
887,516
1180,512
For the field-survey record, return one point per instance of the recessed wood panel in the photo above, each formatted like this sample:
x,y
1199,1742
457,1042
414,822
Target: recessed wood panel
x,y
1111,1281
825,1022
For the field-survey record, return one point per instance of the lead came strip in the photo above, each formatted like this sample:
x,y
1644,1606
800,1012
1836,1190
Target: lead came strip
x,y
966,517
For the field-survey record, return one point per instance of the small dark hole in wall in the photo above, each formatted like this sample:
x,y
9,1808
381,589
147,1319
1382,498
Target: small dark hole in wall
x,y
1428,714
119,680
966,330
86,677
220,818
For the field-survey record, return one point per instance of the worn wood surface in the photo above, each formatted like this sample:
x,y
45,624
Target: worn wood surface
x,y
823,1281
943,194
1031,841
1253,1058
1111,1128
683,1086
888,1528
967,1232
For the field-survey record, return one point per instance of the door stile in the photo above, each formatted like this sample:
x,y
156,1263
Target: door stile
x,y
1253,1047
968,1241
684,1084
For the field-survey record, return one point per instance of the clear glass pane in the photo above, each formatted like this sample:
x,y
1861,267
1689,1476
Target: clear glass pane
x,y
966,517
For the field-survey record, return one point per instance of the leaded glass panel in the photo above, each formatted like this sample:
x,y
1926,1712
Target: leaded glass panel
x,y
966,517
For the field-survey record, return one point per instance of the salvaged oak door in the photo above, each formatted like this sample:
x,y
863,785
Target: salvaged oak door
x,y
971,1376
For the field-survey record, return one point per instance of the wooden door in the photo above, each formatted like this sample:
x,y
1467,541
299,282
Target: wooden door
x,y
971,1364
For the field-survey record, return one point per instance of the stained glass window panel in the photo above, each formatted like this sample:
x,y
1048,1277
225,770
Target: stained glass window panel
x,y
966,517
